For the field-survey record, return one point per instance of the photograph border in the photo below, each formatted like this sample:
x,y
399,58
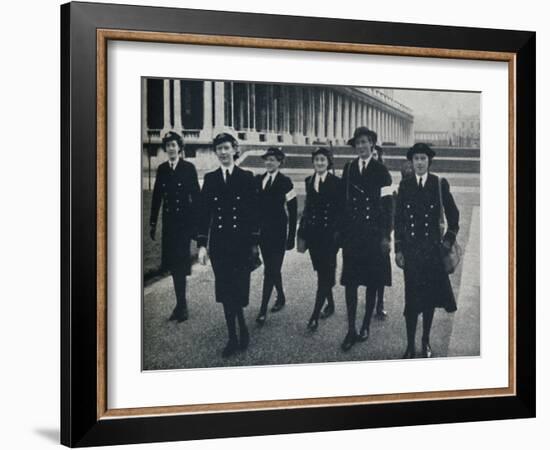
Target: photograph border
x,y
86,30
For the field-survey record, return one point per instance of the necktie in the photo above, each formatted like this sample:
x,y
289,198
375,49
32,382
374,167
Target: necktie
x,y
227,176
364,168
420,183
320,184
269,182
172,165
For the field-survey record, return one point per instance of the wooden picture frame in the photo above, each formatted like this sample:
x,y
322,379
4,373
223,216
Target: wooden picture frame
x,y
85,417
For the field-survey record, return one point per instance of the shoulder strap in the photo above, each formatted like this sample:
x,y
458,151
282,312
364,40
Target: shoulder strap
x,y
441,209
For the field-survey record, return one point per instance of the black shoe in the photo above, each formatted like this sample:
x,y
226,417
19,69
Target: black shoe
x,y
381,315
313,324
244,339
426,351
363,334
278,306
179,315
349,340
409,354
260,320
230,349
328,311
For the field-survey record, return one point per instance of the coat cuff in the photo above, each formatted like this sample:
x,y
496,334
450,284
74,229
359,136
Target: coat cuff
x,y
450,237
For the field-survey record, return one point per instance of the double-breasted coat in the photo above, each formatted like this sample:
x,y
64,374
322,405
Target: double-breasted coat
x,y
419,237
366,221
229,226
319,224
177,191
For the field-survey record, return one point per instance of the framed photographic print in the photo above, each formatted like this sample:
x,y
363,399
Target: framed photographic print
x,y
278,224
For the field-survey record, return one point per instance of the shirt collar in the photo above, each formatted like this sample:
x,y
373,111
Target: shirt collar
x,y
321,177
424,177
173,164
230,168
272,175
360,162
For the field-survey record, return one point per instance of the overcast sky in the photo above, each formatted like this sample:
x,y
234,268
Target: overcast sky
x,y
434,109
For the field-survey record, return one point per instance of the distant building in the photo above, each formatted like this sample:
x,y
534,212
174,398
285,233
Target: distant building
x,y
465,130
261,113
435,138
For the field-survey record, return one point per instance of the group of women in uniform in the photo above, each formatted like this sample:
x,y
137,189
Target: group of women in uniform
x,y
236,216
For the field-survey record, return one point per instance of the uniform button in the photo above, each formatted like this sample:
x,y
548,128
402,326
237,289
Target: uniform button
x,y
408,206
426,224
412,234
219,209
177,201
368,208
412,216
220,226
215,198
368,217
412,225
234,226
238,198
163,185
367,199
234,217
431,206
179,184
220,217
426,234
234,208
425,215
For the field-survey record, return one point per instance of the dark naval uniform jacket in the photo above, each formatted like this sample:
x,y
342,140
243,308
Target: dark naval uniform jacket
x,y
319,223
418,236
276,226
228,225
366,221
177,191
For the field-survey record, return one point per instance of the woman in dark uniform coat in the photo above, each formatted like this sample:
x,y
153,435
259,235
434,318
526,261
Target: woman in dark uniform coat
x,y
277,228
177,190
378,155
318,227
419,243
229,226
366,229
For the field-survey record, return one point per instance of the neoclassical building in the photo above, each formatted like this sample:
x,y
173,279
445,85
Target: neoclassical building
x,y
262,113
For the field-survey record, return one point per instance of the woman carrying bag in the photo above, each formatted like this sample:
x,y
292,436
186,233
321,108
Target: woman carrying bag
x,y
422,248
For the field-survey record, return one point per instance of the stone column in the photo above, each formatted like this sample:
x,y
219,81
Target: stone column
x,y
178,125
338,113
219,107
330,115
345,127
352,119
207,125
166,108
144,129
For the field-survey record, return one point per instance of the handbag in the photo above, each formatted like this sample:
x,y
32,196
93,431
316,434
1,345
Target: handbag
x,y
451,257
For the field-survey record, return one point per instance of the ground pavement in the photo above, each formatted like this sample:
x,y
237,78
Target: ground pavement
x,y
284,339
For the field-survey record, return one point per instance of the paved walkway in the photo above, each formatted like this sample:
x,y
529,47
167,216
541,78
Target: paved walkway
x,y
285,339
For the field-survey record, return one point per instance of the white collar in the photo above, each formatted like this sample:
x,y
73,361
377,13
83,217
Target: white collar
x,y
423,177
230,168
272,175
321,177
175,163
360,162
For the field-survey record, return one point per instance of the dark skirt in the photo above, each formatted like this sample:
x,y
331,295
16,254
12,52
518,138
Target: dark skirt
x,y
322,252
231,263
427,285
364,262
175,247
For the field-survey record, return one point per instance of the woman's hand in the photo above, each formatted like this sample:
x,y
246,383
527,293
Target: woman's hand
x,y
203,255
400,260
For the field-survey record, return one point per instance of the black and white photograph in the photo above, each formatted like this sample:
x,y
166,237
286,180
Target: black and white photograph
x,y
297,224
